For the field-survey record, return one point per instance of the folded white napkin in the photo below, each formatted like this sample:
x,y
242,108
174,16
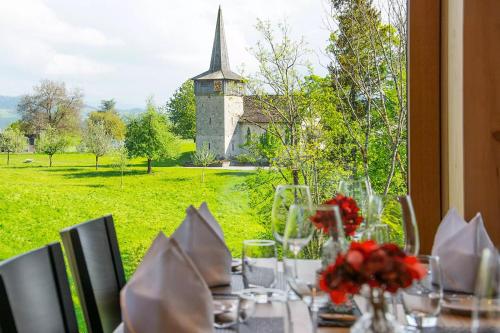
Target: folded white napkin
x,y
459,245
200,236
166,293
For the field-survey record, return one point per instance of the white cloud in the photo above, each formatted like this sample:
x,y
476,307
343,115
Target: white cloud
x,y
129,49
63,64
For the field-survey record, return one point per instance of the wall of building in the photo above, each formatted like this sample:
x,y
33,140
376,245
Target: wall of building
x,y
210,123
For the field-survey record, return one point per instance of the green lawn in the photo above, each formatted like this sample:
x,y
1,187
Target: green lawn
x,y
37,201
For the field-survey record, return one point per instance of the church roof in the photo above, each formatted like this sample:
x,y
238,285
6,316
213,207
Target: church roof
x,y
219,63
252,111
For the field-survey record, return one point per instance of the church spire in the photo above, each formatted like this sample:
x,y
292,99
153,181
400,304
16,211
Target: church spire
x,y
219,63
220,59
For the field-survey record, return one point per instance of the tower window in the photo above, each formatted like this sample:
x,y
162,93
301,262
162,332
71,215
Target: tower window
x,y
249,134
208,145
232,146
210,121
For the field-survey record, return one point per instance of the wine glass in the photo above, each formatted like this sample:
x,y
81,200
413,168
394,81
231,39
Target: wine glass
x,y
286,196
410,227
378,232
360,191
486,306
374,210
298,230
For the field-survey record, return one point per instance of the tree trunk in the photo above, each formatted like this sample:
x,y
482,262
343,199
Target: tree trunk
x,y
50,160
8,157
149,166
295,174
121,180
96,161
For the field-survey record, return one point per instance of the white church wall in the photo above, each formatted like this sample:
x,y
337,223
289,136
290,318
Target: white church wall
x,y
210,123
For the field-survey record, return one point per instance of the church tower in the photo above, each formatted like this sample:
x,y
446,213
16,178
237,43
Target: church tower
x,y
219,100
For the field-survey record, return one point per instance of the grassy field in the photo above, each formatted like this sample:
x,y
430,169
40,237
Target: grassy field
x,y
36,201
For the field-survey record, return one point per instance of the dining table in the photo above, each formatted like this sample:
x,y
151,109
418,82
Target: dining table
x,y
301,322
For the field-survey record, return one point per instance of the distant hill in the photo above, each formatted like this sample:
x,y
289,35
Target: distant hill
x,y
8,113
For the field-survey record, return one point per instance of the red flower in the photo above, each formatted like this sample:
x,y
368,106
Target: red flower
x,y
379,266
349,212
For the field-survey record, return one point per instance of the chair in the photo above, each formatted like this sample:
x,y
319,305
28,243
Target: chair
x,y
35,294
96,265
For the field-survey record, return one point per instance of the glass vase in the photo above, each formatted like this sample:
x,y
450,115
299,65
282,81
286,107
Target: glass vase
x,y
376,319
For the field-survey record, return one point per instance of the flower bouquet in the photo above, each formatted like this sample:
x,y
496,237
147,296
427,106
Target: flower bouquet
x,y
378,267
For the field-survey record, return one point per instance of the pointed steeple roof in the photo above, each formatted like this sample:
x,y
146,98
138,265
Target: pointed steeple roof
x,y
219,63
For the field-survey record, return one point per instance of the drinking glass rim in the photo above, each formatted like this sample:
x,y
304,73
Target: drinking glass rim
x,y
427,257
259,242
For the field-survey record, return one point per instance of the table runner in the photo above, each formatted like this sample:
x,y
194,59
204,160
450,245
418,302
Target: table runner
x,y
260,325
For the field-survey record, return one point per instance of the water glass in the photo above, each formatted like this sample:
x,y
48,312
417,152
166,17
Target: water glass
x,y
422,300
486,306
284,197
259,264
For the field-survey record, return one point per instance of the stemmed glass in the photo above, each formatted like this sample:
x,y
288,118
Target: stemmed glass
x,y
284,198
298,230
360,191
305,285
410,227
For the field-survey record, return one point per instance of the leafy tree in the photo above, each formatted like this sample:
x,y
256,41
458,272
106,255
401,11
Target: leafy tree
x,y
181,110
112,121
121,161
203,157
150,135
368,73
12,140
96,140
51,142
51,105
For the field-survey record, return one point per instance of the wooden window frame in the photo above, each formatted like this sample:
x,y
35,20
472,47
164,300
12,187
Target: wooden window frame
x,y
424,116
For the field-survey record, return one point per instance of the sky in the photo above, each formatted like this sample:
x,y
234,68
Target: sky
x,y
131,49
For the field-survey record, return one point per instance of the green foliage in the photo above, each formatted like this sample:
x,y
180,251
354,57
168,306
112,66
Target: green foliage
x,y
149,135
261,149
203,157
97,140
112,121
51,142
181,110
12,141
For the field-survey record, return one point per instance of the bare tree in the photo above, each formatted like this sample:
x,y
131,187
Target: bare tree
x,y
51,105
97,140
278,90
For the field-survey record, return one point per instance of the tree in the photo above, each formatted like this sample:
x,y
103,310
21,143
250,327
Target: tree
x,y
203,157
96,140
51,105
150,135
121,161
12,140
51,142
368,72
112,121
278,90
181,110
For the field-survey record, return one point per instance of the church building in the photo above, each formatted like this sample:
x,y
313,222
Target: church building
x,y
225,116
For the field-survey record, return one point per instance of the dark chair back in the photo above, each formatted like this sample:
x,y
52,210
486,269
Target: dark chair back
x,y
35,294
96,265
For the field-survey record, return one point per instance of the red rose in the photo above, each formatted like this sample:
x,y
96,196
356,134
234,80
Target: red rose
x,y
349,211
379,266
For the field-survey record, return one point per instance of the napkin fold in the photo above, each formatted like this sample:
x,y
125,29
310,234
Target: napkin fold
x,y
201,237
459,246
166,293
